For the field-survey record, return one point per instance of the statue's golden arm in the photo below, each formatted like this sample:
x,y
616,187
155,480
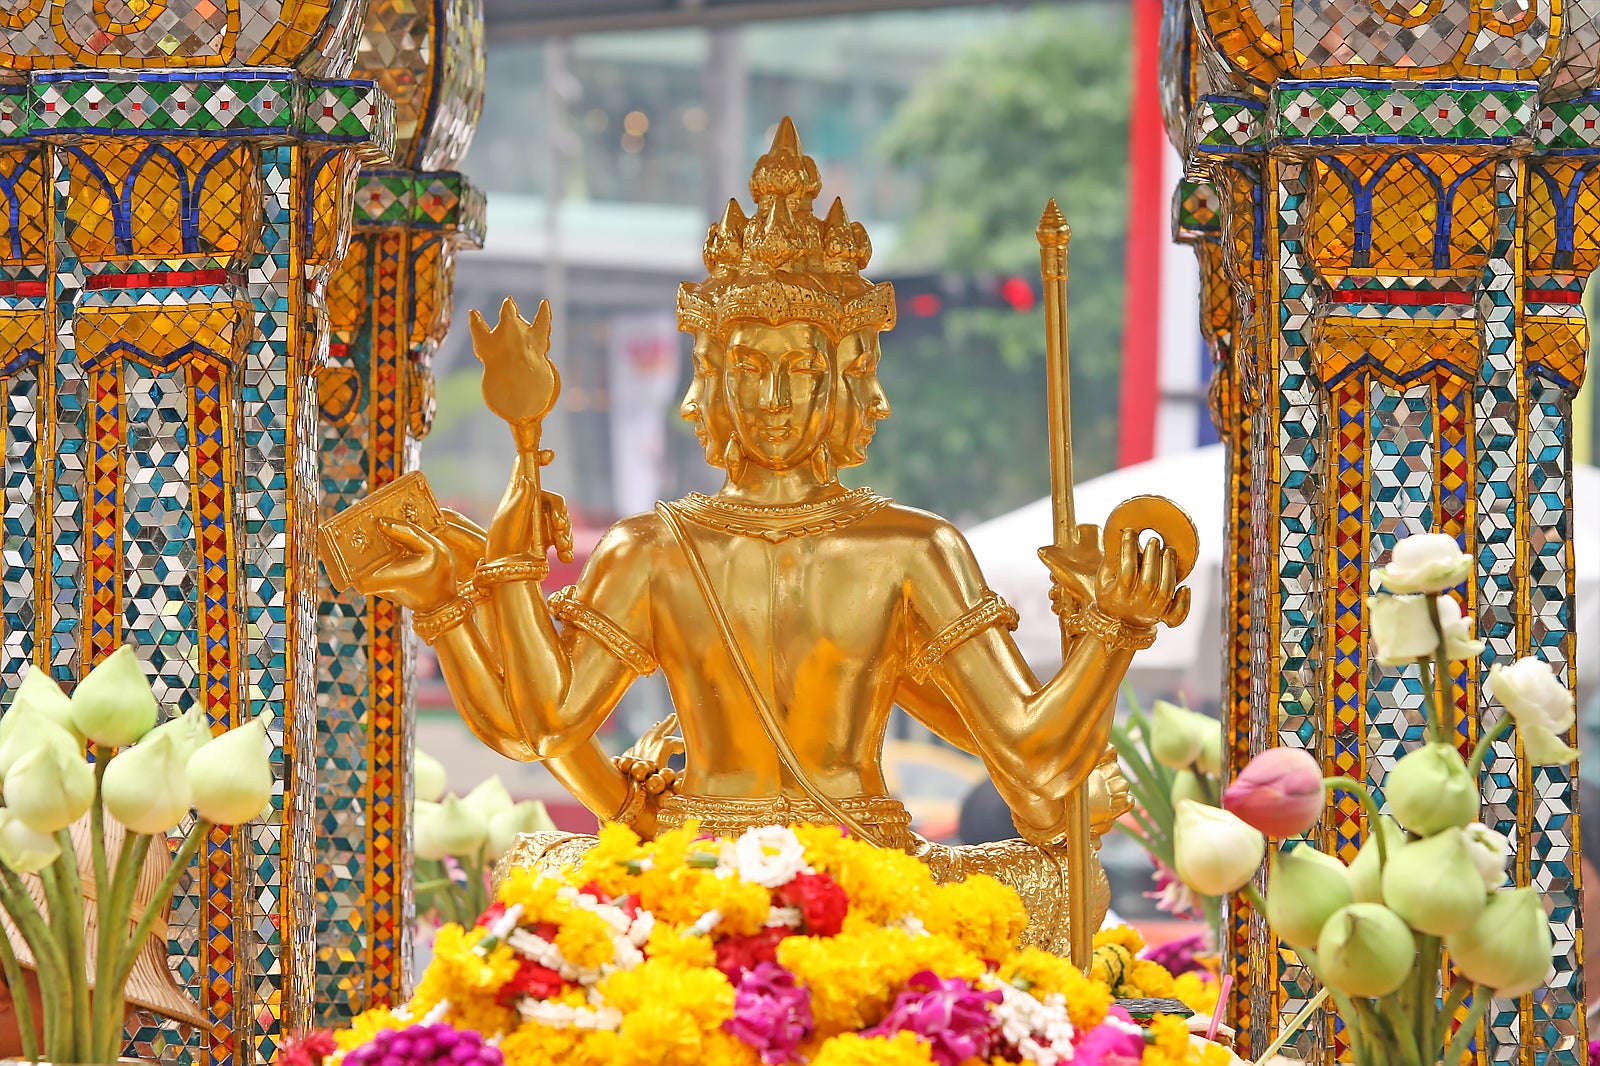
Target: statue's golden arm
x,y
1039,741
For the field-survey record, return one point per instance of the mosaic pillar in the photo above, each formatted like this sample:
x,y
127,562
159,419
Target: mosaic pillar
x,y
1402,208
389,306
176,191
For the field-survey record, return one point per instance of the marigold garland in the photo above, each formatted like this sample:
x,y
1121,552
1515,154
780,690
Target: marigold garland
x,y
784,946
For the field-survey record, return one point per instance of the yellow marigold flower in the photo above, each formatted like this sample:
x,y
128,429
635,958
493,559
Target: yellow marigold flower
x,y
612,861
744,905
540,1045
1042,973
853,978
1171,1035
1110,966
702,996
584,940
724,1049
482,1013
849,1049
535,893
985,915
1196,993
884,885
457,967
671,945
365,1026
1125,935
1149,980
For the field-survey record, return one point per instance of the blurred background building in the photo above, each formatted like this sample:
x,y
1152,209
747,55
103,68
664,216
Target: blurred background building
x,y
614,132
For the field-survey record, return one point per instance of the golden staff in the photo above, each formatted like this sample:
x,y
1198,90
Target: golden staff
x,y
1054,235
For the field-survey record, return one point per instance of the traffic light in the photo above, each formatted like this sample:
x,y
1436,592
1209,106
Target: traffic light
x,y
923,299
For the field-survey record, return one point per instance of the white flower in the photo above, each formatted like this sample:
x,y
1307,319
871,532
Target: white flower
x,y
1215,852
1489,851
1542,707
232,776
1403,633
451,828
51,785
1040,1030
427,777
505,826
489,798
1424,562
769,856
113,705
145,786
39,693
23,849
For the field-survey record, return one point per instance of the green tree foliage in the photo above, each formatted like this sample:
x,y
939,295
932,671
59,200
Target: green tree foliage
x,y
1038,110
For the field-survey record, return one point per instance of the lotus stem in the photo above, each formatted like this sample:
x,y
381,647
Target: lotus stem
x,y
1480,1004
21,1002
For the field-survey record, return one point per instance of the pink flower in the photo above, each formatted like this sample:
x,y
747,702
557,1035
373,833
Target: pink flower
x,y
952,1016
1280,793
771,1013
1172,896
1117,1041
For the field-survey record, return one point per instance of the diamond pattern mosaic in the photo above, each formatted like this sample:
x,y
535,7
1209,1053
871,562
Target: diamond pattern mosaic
x,y
150,276
1406,341
388,306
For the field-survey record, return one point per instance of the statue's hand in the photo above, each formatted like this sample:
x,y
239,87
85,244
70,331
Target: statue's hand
x,y
466,540
1109,795
512,532
650,779
1072,569
422,578
1139,586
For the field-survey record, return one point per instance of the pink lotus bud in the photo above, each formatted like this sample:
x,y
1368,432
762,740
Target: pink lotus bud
x,y
1280,792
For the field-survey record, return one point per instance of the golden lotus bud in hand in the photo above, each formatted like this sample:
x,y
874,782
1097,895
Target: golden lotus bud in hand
x,y
520,384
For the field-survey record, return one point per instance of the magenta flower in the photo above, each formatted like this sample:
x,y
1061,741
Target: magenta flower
x,y
1279,793
1178,956
1117,1041
1594,1052
952,1016
771,1013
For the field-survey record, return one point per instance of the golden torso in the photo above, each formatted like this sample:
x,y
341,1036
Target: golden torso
x,y
829,674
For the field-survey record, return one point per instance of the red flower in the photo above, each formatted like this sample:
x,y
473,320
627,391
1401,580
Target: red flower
x,y
531,979
492,915
823,904
736,954
593,889
308,1049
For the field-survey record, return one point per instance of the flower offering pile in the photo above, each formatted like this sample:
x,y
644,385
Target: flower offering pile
x,y
784,946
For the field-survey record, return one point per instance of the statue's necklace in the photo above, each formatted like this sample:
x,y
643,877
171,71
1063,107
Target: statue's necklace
x,y
780,522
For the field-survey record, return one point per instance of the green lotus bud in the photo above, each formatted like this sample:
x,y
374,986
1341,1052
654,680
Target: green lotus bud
x,y
489,798
451,828
428,778
1214,852
1509,947
1178,734
529,816
50,785
146,787
232,776
1209,761
22,849
1364,873
38,693
1429,790
189,732
1186,786
1304,888
1434,884
114,705
1366,950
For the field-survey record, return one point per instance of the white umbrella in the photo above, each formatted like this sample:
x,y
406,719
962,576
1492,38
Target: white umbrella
x,y
1189,659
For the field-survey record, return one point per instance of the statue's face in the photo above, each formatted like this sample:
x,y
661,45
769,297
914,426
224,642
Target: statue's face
x,y
779,383
859,400
703,404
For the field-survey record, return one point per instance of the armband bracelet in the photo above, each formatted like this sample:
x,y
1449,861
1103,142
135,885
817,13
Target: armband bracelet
x,y
432,625
1112,632
504,570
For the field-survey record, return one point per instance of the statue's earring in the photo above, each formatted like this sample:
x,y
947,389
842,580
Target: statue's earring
x,y
822,463
733,458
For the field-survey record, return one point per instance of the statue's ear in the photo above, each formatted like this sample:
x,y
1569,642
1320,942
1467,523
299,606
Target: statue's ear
x,y
541,326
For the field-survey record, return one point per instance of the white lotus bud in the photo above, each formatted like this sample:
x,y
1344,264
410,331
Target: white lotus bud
x,y
51,785
1304,888
25,850
114,705
428,777
1434,884
232,776
146,787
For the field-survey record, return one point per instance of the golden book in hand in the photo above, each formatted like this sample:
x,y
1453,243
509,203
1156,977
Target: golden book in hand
x,y
351,544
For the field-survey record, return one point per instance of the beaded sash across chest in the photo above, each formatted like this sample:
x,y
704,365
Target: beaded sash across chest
x,y
780,522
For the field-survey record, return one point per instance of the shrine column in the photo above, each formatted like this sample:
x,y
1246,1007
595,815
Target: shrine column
x,y
1403,209
176,190
389,306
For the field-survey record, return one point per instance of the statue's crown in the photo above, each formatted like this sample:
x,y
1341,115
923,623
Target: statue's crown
x,y
783,264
